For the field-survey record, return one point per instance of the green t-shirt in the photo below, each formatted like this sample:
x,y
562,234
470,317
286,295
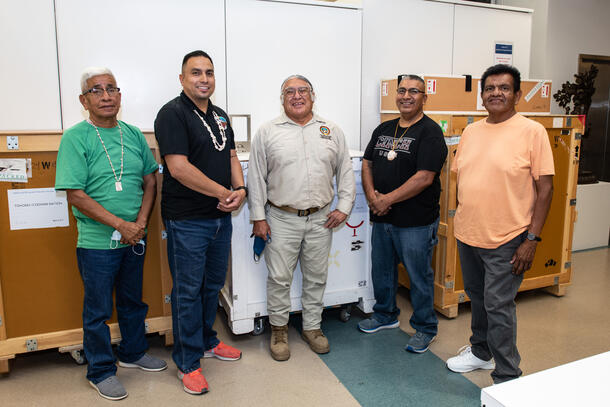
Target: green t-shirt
x,y
82,164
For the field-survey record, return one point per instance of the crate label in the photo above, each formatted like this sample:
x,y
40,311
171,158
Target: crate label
x,y
431,86
532,92
384,89
557,122
544,91
444,126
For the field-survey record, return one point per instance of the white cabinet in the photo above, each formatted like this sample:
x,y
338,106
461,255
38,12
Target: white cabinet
x,y
143,43
28,66
244,296
269,41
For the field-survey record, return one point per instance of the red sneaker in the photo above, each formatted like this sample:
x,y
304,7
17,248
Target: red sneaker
x,y
223,351
193,382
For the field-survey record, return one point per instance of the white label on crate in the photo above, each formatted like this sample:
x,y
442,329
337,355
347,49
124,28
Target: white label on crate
x,y
532,92
557,122
544,92
37,208
451,141
384,89
431,86
479,98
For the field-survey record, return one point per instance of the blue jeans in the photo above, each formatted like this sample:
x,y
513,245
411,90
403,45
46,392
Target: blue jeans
x,y
198,254
102,271
413,247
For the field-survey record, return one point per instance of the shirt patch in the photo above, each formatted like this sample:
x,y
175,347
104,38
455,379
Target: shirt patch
x,y
325,132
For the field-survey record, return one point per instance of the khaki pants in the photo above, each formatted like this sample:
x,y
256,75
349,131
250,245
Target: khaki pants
x,y
297,238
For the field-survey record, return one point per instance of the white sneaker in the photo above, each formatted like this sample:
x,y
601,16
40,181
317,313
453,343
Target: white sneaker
x,y
466,361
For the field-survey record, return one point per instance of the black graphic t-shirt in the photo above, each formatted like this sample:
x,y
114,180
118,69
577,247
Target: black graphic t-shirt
x,y
421,148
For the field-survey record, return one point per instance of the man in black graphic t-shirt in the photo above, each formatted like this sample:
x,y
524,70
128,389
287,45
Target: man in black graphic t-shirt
x,y
400,177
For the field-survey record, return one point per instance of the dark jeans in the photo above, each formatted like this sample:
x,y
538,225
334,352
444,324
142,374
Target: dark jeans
x,y
492,288
198,253
102,271
413,246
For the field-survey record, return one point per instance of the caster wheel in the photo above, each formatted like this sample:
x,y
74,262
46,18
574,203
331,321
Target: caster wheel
x,y
344,315
79,357
259,326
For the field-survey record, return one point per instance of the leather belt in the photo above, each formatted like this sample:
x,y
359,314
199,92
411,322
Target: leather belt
x,y
298,212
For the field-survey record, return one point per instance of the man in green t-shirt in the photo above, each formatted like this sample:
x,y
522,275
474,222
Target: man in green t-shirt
x,y
108,171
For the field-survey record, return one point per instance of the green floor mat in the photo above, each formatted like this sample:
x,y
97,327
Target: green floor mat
x,y
378,372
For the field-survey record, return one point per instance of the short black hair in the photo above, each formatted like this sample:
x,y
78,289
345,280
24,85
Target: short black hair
x,y
500,69
412,77
193,54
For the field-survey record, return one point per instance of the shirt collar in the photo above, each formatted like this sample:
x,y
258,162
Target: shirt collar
x,y
190,104
283,119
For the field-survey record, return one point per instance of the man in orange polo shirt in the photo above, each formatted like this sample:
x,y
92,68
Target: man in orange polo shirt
x,y
504,167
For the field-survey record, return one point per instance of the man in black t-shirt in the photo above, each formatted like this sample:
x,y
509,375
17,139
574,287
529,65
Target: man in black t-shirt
x,y
201,166
400,177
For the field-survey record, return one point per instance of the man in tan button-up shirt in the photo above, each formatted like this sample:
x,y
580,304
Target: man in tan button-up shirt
x,y
293,161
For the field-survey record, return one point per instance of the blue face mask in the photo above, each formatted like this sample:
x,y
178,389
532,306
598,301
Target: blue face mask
x,y
259,246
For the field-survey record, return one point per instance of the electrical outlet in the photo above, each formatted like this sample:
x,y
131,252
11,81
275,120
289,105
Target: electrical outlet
x,y
12,142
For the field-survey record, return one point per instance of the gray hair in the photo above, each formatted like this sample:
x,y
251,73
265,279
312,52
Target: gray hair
x,y
301,77
297,76
90,72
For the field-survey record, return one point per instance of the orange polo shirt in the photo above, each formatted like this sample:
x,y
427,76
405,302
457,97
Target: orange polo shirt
x,y
496,166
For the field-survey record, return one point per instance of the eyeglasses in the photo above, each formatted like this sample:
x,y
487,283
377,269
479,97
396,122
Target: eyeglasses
x,y
290,92
410,91
99,92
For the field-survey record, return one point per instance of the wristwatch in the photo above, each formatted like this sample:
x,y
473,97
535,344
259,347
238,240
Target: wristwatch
x,y
533,237
241,187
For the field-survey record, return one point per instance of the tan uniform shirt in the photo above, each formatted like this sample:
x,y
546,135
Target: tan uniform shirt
x,y
293,165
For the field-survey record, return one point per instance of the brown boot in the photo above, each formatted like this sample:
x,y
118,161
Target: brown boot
x,y
279,343
316,340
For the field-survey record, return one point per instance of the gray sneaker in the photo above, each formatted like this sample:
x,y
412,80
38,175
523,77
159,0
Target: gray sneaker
x,y
371,325
419,342
110,388
147,362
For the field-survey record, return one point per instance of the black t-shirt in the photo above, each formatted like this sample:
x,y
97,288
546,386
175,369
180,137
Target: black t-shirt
x,y
179,130
421,148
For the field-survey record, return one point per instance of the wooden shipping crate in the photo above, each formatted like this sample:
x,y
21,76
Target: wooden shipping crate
x,y
41,292
552,265
451,94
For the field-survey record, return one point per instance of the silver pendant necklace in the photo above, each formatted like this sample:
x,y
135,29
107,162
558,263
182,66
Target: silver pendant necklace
x,y
218,146
118,186
392,153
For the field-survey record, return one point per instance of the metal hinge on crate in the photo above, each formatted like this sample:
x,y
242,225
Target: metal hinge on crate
x,y
568,122
461,298
31,345
451,213
567,265
573,202
578,136
0,321
167,299
449,284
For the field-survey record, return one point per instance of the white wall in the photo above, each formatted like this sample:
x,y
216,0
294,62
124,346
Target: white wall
x,y
563,29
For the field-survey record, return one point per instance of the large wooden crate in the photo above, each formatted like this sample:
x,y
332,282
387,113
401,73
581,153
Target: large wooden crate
x,y
447,93
41,293
552,265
